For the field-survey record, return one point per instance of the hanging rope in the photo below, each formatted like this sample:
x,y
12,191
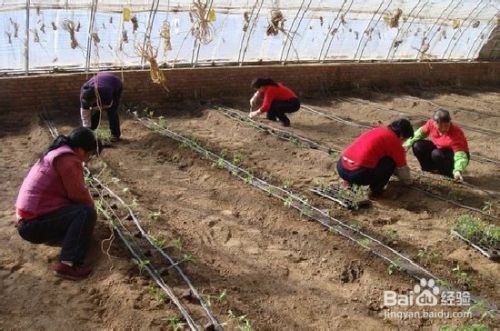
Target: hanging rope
x,y
149,53
69,26
201,17
165,36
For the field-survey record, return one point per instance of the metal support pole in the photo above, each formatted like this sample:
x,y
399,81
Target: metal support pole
x,y
290,46
250,33
149,26
373,28
27,41
89,37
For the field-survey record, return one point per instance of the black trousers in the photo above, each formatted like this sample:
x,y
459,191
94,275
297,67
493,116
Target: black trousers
x,y
71,225
376,177
432,158
279,108
114,120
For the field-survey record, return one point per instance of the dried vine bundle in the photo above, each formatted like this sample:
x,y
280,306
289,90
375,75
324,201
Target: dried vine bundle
x,y
165,36
276,23
69,26
201,27
149,53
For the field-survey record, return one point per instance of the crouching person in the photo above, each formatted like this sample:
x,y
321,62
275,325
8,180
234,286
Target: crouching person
x,y
55,207
375,156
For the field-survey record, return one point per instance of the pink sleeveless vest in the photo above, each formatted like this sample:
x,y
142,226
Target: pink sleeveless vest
x,y
42,190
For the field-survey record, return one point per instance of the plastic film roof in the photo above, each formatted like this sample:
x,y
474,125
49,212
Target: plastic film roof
x,y
96,34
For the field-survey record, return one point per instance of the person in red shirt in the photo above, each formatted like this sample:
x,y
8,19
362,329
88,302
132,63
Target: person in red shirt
x,y
55,207
375,155
447,151
277,100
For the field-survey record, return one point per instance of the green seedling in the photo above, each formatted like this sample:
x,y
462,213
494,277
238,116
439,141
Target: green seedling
x,y
237,159
248,179
473,229
287,184
427,255
393,267
141,264
219,298
473,327
480,309
162,122
392,234
242,321
488,207
158,241
157,294
295,141
461,277
155,215
355,225
365,243
288,202
174,323
177,243
104,135
220,163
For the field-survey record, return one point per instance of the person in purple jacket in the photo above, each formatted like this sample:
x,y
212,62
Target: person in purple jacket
x,y
103,91
55,207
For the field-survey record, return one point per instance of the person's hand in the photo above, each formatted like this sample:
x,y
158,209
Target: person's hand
x,y
458,177
254,113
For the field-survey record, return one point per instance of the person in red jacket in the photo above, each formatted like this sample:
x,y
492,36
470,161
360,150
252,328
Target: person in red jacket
x,y
54,206
447,151
277,100
375,155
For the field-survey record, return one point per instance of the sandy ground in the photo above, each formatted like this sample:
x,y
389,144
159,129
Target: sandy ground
x,y
280,271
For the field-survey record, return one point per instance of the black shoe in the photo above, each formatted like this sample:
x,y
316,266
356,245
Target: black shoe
x,y
285,122
114,139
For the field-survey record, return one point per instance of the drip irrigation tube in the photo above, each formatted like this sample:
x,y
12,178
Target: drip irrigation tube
x,y
285,135
149,268
292,200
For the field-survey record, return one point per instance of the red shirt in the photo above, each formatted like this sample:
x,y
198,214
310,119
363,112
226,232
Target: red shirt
x,y
271,93
367,150
454,138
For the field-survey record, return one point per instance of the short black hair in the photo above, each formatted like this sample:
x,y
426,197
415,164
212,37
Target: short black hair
x,y
402,128
259,82
442,116
88,96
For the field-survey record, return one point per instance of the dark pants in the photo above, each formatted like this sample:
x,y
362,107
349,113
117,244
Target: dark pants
x,y
432,158
279,108
114,120
71,225
376,177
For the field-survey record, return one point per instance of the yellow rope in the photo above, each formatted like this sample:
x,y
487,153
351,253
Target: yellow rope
x,y
69,26
149,53
201,27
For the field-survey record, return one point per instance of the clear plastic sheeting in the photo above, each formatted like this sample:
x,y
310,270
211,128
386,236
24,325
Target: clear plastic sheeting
x,y
93,34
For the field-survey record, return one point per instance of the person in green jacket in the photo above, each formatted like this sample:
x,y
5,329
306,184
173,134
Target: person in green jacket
x,y
447,151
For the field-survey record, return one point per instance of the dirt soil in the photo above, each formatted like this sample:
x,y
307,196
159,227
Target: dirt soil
x,y
280,271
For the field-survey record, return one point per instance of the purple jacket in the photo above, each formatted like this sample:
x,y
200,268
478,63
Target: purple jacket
x,y
108,85
42,190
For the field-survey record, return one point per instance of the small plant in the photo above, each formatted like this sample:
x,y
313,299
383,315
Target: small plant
x,y
162,122
220,163
158,241
141,264
427,255
480,309
392,234
478,232
104,135
177,243
155,215
219,298
488,207
237,159
287,184
174,322
242,321
306,211
288,202
356,225
393,267
157,294
295,141
462,277
365,243
248,178
473,327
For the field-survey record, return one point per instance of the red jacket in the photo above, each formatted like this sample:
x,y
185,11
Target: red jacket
x,y
271,93
367,150
454,138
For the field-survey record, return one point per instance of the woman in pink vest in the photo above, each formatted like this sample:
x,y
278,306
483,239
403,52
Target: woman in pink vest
x,y
54,205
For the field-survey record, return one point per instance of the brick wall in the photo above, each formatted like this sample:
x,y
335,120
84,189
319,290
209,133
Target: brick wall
x,y
62,90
